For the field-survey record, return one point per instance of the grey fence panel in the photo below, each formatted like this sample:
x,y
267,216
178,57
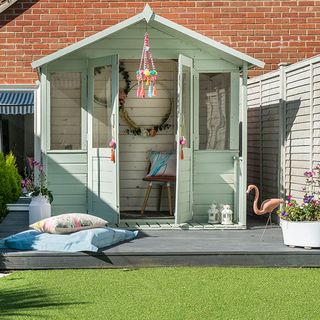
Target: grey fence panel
x,y
263,136
284,128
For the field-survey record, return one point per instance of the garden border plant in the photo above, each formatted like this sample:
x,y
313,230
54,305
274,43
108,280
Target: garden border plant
x,y
35,183
309,209
300,222
10,182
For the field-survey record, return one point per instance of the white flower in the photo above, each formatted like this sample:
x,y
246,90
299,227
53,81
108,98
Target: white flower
x,y
144,132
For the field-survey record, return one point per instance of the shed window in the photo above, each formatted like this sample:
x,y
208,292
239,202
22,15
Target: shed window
x,y
214,115
102,106
65,111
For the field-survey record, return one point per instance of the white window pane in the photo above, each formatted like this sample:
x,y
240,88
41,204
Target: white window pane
x,y
214,115
65,111
102,106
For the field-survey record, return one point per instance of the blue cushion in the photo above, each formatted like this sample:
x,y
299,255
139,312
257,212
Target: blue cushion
x,y
85,240
162,164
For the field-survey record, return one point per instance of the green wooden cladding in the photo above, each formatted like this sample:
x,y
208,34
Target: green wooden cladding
x,y
67,179
216,174
214,181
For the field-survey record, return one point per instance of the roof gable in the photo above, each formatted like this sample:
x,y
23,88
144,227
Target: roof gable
x,y
154,20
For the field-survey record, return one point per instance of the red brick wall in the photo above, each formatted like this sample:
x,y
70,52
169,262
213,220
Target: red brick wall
x,y
273,31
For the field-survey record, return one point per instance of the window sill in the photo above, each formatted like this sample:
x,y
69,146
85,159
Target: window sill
x,y
66,151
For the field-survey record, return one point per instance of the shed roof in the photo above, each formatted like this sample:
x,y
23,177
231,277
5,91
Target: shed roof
x,y
165,25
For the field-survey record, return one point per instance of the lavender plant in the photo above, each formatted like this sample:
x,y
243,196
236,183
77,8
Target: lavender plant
x,y
309,208
37,185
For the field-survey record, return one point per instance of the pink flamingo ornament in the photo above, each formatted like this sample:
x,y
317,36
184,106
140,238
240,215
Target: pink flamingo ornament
x,y
267,206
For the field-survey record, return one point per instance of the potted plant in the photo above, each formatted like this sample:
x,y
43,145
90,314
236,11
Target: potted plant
x,y
40,205
300,222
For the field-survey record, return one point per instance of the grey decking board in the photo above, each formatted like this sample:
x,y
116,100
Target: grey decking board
x,y
168,248
119,261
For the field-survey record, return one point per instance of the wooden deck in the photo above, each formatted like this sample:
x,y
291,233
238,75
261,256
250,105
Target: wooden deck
x,y
168,247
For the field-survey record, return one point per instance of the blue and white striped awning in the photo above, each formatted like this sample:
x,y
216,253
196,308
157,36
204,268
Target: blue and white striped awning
x,y
16,102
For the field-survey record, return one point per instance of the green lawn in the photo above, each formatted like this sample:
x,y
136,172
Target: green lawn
x,y
162,293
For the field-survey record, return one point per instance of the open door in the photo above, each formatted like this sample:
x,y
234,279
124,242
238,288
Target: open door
x,y
103,159
184,140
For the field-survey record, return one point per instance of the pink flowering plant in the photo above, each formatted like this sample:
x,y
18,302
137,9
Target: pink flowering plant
x,y
309,208
37,186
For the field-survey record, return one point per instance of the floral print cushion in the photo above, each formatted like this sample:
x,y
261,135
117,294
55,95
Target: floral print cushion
x,y
68,223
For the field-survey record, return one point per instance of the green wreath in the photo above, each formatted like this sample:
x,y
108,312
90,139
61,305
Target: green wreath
x,y
134,129
137,130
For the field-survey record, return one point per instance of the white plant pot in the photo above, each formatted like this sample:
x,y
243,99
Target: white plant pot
x,y
39,208
301,234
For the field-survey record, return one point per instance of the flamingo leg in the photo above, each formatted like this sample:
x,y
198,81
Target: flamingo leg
x,y
265,228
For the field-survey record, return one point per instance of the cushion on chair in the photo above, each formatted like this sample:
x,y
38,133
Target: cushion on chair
x,y
162,164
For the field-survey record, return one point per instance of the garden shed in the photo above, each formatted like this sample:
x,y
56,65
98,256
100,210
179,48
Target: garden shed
x,y
96,161
284,128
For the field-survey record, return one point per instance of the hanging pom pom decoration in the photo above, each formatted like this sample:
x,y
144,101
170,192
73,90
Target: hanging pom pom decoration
x,y
112,145
182,142
147,73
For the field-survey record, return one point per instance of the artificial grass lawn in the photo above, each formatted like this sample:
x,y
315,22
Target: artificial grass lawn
x,y
162,293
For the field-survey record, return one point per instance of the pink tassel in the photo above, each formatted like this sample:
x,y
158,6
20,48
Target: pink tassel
x,y
138,91
113,155
142,92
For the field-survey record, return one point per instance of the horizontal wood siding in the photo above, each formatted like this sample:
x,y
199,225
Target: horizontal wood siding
x,y
134,149
67,179
184,193
297,129
315,103
300,128
214,181
254,137
128,44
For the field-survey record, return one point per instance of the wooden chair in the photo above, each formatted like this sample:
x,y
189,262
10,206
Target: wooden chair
x,y
161,180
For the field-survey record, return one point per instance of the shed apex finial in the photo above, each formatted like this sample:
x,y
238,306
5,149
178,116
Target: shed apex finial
x,y
148,13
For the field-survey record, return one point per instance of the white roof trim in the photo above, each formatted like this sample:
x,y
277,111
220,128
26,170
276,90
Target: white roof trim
x,y
82,43
148,15
5,5
208,41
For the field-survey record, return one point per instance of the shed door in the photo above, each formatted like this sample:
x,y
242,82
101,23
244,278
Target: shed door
x,y
103,194
184,135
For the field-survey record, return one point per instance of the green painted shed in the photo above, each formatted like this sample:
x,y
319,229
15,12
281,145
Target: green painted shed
x,y
201,84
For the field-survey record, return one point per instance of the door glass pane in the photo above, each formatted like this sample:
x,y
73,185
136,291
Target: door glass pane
x,y
214,111
65,122
102,106
186,101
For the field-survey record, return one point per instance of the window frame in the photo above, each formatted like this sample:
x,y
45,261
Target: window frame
x,y
234,109
63,68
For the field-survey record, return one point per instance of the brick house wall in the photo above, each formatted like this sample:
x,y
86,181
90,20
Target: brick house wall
x,y
273,31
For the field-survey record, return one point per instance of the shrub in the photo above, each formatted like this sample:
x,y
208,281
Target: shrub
x,y
14,177
10,182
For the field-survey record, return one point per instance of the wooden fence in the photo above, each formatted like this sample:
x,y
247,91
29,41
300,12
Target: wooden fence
x,y
284,128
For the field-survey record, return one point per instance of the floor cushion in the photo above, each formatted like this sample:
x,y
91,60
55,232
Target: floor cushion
x,y
84,240
68,223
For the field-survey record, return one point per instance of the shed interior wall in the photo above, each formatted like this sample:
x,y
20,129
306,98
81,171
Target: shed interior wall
x,y
134,149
